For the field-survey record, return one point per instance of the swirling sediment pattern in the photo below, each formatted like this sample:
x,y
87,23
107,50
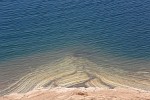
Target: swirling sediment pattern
x,y
77,72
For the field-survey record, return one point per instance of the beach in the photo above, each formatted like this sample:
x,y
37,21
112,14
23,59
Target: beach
x,y
78,78
61,93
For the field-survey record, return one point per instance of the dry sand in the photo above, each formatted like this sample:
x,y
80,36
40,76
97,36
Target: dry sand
x,y
91,93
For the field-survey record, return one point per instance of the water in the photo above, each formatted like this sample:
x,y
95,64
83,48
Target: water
x,y
35,32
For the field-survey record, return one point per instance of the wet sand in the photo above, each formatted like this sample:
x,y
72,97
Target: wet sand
x,y
78,78
74,71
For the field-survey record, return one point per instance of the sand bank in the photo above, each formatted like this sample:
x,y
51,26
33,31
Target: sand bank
x,y
92,93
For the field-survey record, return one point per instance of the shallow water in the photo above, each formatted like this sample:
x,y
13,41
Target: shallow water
x,y
110,33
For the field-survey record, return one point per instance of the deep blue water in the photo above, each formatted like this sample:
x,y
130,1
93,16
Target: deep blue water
x,y
121,27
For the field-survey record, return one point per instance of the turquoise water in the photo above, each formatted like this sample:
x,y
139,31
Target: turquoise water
x,y
32,32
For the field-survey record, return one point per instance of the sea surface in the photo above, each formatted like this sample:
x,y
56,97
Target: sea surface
x,y
36,32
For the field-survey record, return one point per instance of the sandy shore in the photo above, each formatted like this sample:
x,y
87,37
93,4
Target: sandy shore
x,y
91,93
63,79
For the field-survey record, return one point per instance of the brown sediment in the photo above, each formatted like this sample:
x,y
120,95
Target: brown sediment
x,y
77,72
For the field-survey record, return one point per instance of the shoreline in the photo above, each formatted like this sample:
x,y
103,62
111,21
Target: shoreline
x,y
72,71
91,93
